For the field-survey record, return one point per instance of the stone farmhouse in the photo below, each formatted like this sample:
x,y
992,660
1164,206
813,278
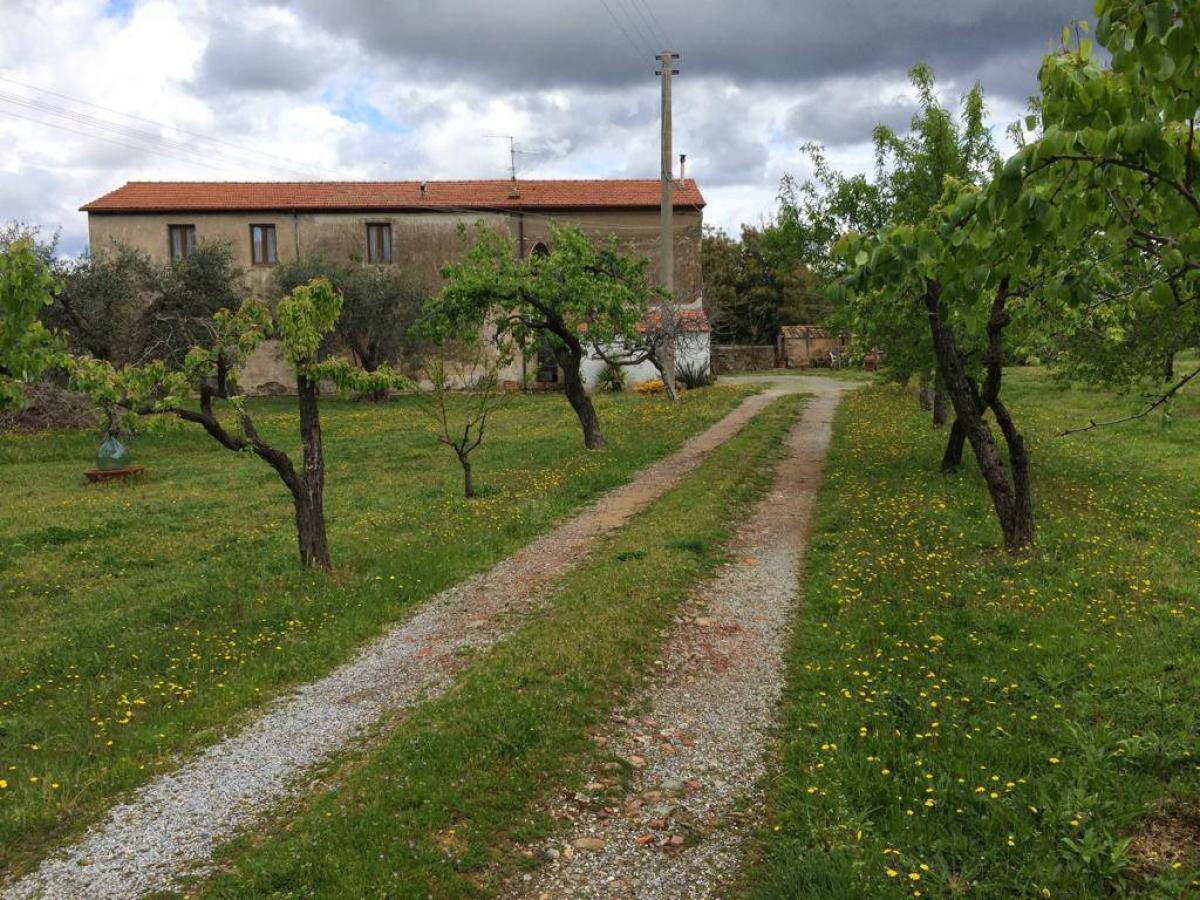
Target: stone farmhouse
x,y
408,223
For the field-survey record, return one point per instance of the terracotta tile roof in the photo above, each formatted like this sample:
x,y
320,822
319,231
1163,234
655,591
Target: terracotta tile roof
x,y
236,196
689,320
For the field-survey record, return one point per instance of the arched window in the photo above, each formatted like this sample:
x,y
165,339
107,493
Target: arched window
x,y
539,249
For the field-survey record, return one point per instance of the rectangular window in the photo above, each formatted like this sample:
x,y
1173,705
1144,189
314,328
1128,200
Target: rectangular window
x,y
183,241
379,243
262,245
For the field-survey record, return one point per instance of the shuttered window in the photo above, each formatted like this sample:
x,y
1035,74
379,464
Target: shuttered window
x,y
183,241
262,245
379,243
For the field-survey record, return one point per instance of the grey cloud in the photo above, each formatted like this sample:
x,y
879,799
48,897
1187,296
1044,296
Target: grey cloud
x,y
238,59
846,114
527,44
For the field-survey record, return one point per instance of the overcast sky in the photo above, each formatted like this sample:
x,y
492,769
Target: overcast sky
x,y
416,89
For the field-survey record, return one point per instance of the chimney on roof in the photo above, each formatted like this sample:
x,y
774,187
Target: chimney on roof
x,y
514,192
424,189
682,166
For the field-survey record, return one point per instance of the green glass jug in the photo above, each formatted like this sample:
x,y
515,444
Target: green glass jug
x,y
112,453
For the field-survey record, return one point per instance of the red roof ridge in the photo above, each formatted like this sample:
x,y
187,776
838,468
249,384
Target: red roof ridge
x,y
231,196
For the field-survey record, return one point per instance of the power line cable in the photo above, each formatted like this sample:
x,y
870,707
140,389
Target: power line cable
x,y
654,37
638,51
96,137
646,37
662,32
143,139
149,121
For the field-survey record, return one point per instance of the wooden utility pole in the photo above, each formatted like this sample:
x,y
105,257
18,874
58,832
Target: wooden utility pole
x,y
667,320
667,58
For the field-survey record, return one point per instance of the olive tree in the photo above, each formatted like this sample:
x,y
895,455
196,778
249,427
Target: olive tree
x,y
381,306
101,303
581,293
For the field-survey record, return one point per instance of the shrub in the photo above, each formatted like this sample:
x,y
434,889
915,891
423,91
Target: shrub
x,y
694,375
655,386
611,379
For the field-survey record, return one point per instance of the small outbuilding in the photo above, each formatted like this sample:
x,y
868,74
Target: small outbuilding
x,y
803,346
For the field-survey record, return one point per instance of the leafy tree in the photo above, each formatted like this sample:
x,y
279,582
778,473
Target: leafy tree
x,y
44,248
579,293
301,321
101,303
755,285
381,306
1116,155
27,348
188,293
969,277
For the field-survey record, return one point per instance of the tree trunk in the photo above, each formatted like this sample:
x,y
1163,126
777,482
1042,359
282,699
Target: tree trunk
x,y
1168,368
668,370
468,481
1011,499
940,411
952,458
570,360
309,490
925,391
1020,533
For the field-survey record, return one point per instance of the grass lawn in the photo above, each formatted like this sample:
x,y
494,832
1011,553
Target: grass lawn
x,y
431,810
963,723
141,619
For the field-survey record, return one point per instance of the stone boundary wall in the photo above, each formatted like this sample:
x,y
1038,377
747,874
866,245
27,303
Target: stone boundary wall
x,y
742,358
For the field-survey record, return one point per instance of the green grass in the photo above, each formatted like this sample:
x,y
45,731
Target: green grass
x,y
141,619
959,722
432,809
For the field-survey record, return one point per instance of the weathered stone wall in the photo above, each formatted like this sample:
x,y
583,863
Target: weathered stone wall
x,y
800,353
731,358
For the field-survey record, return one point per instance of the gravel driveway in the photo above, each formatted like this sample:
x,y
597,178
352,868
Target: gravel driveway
x,y
698,750
173,824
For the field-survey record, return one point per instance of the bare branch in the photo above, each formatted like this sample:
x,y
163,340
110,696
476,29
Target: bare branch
x,y
1160,400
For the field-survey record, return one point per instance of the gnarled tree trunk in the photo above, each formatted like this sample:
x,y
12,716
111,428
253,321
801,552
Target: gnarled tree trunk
x,y
1011,498
307,487
569,359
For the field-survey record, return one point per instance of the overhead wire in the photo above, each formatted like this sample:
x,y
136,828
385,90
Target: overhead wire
x,y
638,51
139,118
96,137
662,32
144,139
631,16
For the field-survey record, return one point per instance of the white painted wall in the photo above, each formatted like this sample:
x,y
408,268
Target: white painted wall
x,y
695,351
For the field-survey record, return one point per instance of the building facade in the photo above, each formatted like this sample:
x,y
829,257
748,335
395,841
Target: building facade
x,y
410,224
